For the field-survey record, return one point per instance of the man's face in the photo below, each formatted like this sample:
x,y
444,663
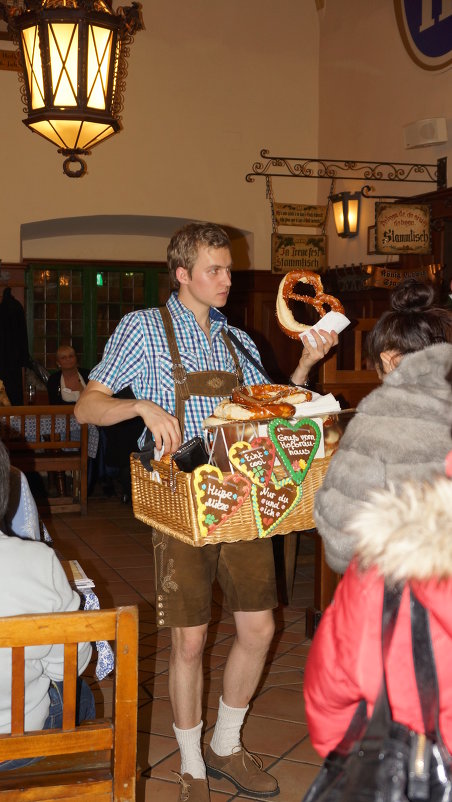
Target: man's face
x,y
210,279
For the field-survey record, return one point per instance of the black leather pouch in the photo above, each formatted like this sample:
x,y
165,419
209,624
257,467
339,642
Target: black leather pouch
x,y
191,454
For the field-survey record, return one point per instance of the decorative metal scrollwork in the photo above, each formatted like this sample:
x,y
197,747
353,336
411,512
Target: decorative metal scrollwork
x,y
295,167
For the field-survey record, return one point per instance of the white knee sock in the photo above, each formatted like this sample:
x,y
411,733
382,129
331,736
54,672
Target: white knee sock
x,y
226,735
192,761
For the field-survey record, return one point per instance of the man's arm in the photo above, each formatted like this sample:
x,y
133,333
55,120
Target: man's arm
x,y
313,353
97,405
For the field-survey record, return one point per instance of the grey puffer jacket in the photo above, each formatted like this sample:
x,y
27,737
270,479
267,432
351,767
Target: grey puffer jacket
x,y
401,431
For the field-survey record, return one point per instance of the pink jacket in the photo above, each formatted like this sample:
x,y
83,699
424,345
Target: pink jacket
x,y
405,538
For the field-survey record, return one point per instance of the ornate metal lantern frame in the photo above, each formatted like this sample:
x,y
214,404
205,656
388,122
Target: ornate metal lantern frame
x,y
73,55
346,208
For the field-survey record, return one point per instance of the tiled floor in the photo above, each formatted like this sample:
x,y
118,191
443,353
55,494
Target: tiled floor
x,y
116,551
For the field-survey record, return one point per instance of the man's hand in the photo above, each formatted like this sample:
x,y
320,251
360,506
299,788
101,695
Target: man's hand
x,y
313,353
164,427
97,405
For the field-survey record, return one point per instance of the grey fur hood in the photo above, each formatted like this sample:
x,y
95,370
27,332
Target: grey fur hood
x,y
401,432
418,373
406,534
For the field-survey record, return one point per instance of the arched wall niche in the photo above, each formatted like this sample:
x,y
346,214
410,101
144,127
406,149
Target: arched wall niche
x,y
117,238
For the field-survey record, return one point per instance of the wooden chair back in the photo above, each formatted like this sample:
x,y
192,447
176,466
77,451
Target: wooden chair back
x,y
96,760
345,372
52,454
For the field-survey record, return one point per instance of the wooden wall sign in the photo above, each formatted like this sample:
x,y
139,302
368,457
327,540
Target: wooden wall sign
x,y
389,277
299,214
9,60
402,228
298,252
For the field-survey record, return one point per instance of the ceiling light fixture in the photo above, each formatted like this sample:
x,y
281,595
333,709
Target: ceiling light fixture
x,y
73,55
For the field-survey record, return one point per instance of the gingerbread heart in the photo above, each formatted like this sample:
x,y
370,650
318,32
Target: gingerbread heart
x,y
218,496
254,459
296,445
272,503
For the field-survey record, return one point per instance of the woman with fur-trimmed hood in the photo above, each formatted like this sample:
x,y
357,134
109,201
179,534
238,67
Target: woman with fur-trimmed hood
x,y
402,429
401,537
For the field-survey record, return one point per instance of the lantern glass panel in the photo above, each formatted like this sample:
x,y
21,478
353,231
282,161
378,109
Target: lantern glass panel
x,y
338,211
33,66
353,207
63,133
98,68
93,133
63,46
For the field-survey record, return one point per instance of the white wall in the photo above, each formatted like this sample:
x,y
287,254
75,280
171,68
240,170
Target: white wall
x,y
369,89
210,83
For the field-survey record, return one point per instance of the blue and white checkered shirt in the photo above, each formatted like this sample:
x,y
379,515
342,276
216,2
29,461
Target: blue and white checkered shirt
x,y
137,355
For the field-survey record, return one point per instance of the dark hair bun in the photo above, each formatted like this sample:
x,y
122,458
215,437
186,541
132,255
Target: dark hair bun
x,y
412,296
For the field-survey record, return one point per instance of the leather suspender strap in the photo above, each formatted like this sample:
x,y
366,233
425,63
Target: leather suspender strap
x,y
178,370
251,359
181,388
187,384
233,353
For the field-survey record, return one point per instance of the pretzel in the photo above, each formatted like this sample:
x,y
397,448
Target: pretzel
x,y
231,410
284,316
253,394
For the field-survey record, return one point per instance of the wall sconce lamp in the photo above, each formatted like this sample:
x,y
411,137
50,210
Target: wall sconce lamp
x,y
346,207
73,55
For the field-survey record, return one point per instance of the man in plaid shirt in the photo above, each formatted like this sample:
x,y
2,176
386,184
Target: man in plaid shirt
x,y
137,355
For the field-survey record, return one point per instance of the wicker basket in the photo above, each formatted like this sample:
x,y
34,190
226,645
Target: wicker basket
x,y
174,513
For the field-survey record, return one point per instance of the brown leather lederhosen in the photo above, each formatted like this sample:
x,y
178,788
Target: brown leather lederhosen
x,y
201,382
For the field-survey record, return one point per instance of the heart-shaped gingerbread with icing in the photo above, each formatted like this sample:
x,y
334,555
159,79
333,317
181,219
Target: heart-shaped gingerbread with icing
x,y
296,445
218,496
272,503
255,459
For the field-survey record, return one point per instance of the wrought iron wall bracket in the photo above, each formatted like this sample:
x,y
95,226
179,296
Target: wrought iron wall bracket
x,y
297,167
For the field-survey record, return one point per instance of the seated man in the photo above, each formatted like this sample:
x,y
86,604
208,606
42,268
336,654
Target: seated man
x,y
32,580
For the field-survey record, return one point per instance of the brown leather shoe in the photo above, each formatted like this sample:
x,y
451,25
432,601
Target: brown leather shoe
x,y
244,771
192,790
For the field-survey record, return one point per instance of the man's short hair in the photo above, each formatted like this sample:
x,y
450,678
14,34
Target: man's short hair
x,y
185,243
4,480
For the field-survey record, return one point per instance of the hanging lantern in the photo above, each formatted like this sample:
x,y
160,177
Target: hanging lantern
x,y
74,62
346,213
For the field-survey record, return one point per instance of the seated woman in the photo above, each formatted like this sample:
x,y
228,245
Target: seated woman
x,y
402,429
65,386
32,580
403,536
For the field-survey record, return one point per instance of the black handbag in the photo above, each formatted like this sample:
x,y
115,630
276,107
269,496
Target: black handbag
x,y
382,760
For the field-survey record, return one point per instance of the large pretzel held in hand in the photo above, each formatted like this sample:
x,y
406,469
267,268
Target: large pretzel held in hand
x,y
284,316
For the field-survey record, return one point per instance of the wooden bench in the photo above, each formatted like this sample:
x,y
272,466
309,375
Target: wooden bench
x,y
52,454
96,760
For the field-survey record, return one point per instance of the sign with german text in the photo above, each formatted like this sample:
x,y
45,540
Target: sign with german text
x,y
389,277
299,214
402,228
298,252
9,60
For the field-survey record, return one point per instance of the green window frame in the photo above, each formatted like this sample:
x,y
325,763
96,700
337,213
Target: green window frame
x,y
80,304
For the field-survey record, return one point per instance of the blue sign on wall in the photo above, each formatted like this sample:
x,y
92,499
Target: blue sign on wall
x,y
426,30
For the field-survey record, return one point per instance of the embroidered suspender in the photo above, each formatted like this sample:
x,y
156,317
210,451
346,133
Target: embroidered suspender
x,y
206,382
